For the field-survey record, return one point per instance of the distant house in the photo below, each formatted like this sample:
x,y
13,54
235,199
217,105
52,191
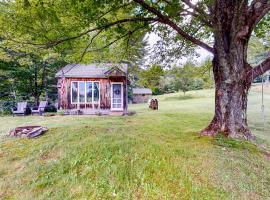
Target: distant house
x,y
93,88
141,95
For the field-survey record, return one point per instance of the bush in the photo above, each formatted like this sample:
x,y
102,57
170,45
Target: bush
x,y
28,111
197,84
6,107
51,109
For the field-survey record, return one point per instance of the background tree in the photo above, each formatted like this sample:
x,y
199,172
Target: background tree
x,y
222,27
259,49
29,76
150,78
191,76
167,83
184,77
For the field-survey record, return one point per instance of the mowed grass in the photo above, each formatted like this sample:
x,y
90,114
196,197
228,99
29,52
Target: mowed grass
x,y
150,155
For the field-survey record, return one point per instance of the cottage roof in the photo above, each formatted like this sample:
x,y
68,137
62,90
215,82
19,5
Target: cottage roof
x,y
142,91
94,70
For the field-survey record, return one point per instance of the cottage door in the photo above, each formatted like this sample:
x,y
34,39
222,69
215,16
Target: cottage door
x,y
117,97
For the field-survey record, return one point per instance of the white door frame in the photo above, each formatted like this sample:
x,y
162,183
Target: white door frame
x,y
122,97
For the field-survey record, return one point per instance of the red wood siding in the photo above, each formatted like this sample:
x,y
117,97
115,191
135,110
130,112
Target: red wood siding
x,y
105,93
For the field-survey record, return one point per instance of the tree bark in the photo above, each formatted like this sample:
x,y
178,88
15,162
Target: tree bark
x,y
36,99
231,91
232,23
231,70
230,106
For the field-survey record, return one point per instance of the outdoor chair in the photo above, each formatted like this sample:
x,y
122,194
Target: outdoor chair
x,y
21,109
40,109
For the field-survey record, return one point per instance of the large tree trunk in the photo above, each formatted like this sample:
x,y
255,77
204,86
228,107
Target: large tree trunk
x,y
230,103
231,71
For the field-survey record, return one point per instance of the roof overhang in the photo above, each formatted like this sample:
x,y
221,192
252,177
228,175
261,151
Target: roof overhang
x,y
115,72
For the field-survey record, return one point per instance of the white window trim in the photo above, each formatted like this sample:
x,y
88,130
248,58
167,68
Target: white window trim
x,y
85,95
71,96
122,97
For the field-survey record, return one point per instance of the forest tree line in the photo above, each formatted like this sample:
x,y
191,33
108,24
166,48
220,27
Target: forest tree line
x,y
185,77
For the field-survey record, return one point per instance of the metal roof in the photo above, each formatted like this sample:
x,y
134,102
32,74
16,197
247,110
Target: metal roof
x,y
93,70
142,91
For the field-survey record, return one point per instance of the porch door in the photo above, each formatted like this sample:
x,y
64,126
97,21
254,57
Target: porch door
x,y
117,97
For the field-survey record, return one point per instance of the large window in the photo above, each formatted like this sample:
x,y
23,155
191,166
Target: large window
x,y
89,91
96,91
84,92
74,93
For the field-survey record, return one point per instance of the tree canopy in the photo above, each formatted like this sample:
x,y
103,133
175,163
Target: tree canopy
x,y
100,30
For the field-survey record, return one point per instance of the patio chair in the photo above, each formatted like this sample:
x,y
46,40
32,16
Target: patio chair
x,y
21,109
40,109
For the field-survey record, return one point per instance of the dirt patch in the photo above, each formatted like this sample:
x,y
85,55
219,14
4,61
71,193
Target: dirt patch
x,y
50,156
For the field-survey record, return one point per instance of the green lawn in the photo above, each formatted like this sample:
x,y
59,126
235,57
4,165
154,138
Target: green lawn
x,y
150,155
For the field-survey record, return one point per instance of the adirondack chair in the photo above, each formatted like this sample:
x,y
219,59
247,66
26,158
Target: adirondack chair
x,y
40,109
21,109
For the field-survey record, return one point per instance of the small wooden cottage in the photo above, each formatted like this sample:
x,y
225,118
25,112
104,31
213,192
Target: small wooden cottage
x,y
93,88
141,95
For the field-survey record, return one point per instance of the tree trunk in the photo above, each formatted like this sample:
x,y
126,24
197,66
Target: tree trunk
x,y
36,99
230,110
231,70
232,85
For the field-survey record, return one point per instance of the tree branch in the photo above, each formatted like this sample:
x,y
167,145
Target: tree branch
x,y
196,8
257,10
117,39
261,68
89,44
102,27
54,43
204,21
166,20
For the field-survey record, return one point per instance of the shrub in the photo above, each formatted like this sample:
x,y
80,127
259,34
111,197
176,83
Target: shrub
x,y
50,108
197,84
6,107
28,111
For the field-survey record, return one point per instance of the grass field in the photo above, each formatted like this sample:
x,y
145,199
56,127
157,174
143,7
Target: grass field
x,y
150,155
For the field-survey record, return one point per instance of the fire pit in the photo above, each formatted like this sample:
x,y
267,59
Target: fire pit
x,y
28,131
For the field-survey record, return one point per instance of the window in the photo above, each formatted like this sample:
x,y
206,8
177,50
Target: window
x,y
89,92
82,92
96,91
74,92
85,92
